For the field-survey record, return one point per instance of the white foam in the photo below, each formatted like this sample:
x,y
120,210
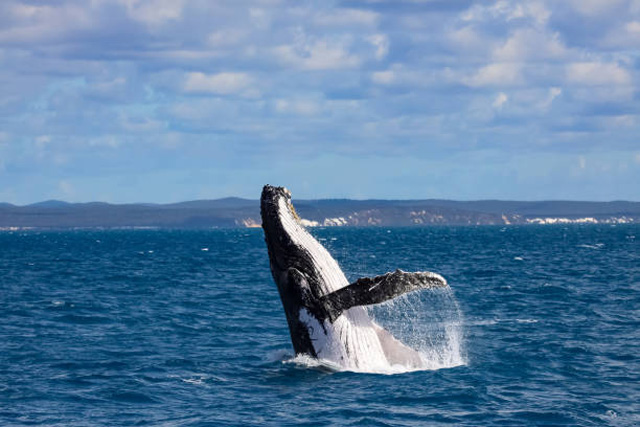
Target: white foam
x,y
311,362
596,246
495,321
526,320
195,381
484,322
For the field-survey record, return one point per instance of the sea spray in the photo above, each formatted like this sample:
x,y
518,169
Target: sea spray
x,y
429,321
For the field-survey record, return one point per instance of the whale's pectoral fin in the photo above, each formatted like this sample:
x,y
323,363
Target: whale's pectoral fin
x,y
367,290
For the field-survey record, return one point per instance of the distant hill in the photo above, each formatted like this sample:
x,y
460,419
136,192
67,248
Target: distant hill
x,y
237,212
50,204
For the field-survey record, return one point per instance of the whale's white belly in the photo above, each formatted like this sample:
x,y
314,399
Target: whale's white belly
x,y
351,341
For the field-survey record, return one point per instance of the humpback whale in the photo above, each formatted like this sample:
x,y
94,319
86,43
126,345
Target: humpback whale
x,y
326,314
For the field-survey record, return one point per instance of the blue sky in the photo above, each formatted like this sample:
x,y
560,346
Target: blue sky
x,y
171,100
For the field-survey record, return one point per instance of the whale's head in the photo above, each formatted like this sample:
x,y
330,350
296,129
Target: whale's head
x,y
275,205
290,245
279,221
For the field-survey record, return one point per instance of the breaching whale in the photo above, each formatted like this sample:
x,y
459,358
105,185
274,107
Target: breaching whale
x,y
324,312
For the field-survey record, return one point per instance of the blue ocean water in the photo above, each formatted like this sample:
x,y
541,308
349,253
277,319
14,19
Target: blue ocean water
x,y
151,327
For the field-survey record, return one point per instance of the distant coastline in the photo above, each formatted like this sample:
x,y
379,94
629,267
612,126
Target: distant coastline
x,y
237,212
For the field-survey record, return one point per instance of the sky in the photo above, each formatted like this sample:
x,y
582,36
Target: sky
x,y
172,100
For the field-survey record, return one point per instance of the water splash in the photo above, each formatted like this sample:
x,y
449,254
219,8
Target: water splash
x,y
429,321
306,361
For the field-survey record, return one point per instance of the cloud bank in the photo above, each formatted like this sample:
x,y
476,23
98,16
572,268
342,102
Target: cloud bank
x,y
166,100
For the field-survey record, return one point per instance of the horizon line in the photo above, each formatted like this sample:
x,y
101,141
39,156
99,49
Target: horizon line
x,y
43,203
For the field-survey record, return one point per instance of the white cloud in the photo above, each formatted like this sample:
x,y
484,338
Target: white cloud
x,y
497,74
109,87
297,106
500,100
44,23
582,162
470,40
317,55
623,121
110,141
414,78
633,28
227,37
42,141
624,36
504,10
260,18
66,188
603,94
595,7
553,93
381,43
597,74
154,12
383,77
527,44
26,11
347,17
527,103
221,83
538,11
201,109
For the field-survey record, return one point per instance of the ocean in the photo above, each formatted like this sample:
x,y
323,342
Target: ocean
x,y
541,326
